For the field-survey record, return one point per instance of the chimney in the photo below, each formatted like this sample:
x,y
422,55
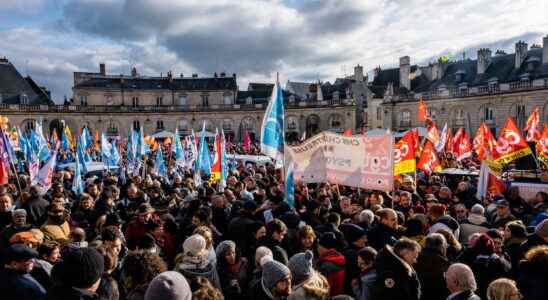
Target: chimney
x,y
405,69
484,59
358,73
134,72
102,69
521,53
545,50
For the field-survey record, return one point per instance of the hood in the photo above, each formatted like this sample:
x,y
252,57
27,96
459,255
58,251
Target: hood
x,y
476,219
316,287
389,261
334,257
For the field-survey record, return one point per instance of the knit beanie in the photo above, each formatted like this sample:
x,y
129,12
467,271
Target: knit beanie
x,y
328,240
477,209
169,285
352,232
261,252
194,245
224,247
300,265
273,272
81,268
542,229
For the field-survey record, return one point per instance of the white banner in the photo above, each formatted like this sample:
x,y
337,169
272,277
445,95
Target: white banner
x,y
358,161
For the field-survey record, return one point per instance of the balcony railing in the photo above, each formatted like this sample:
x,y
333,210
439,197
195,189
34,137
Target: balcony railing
x,y
5,108
493,89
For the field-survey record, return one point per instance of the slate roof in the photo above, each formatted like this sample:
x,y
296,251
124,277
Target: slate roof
x,y
501,68
160,83
255,86
13,86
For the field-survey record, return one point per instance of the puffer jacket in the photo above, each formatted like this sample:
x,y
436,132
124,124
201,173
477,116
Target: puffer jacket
x,y
314,288
331,265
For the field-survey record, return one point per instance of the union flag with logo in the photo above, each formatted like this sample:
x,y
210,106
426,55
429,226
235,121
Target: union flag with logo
x,y
429,161
511,145
404,155
464,148
533,126
542,146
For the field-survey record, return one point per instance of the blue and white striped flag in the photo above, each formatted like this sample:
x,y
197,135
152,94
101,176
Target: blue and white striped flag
x,y
272,129
77,183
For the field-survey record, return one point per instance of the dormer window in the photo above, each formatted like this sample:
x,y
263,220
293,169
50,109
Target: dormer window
x,y
459,76
524,77
24,99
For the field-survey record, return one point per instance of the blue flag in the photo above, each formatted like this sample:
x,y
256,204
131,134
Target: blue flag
x,y
77,183
87,140
159,165
81,156
178,149
290,186
203,163
105,149
8,147
272,128
141,145
114,155
65,144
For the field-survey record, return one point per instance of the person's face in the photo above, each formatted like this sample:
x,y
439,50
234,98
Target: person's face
x,y
143,218
405,201
450,282
307,241
460,212
538,198
362,264
93,190
507,233
54,256
445,193
24,266
409,256
115,246
502,210
283,287
361,242
391,221
158,232
195,221
20,220
87,203
498,245
5,203
131,192
230,257
373,200
279,236
345,204
260,233
116,194
408,186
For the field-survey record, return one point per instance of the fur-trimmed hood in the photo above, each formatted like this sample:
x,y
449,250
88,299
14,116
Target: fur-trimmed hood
x,y
314,288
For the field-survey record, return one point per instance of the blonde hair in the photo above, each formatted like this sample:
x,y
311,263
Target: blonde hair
x,y
207,233
502,289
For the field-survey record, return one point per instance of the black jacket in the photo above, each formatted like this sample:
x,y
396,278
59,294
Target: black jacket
x,y
430,267
36,211
19,286
396,279
278,252
69,293
533,280
380,236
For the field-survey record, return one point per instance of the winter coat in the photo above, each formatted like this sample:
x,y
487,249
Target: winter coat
x,y
362,289
208,271
532,241
58,233
314,288
352,268
233,282
278,252
474,223
380,236
430,267
36,211
487,269
512,252
135,230
20,286
331,265
396,279
533,280
466,295
69,293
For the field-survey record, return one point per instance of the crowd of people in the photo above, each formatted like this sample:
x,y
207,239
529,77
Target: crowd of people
x,y
153,237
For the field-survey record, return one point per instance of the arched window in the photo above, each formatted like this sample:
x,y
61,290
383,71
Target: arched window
x,y
292,123
136,125
159,125
134,101
312,125
336,121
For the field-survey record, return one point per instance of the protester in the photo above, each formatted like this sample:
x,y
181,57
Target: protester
x,y
461,283
431,264
331,263
307,282
362,287
15,279
503,289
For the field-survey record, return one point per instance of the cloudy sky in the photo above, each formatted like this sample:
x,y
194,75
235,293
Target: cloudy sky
x,y
303,40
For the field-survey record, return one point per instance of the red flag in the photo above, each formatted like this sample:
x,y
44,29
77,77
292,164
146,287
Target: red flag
x,y
510,145
404,155
457,140
216,166
423,115
429,161
416,141
464,149
533,126
347,132
542,146
246,141
479,143
433,134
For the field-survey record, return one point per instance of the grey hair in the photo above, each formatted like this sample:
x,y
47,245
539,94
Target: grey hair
x,y
436,241
463,276
367,216
406,244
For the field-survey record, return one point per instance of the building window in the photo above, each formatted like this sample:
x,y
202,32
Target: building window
x,y
205,100
30,125
136,125
183,125
134,101
228,99
248,100
405,118
83,100
379,113
227,124
24,99
335,121
183,100
489,115
109,100
520,115
112,129
159,101
160,125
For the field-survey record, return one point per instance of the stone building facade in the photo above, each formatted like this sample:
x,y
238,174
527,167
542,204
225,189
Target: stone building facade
x,y
463,93
115,104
